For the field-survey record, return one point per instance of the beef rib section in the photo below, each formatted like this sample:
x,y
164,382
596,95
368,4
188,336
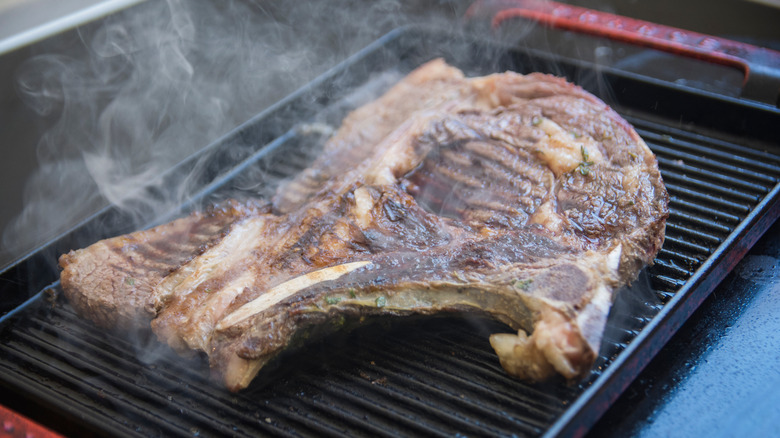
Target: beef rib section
x,y
522,197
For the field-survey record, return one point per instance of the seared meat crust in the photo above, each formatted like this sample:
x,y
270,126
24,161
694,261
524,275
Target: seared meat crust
x,y
522,197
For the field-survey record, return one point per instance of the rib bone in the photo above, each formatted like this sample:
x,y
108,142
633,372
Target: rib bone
x,y
285,290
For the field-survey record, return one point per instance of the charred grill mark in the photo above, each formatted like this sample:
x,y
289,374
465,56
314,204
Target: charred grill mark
x,y
511,163
461,177
445,133
491,219
148,257
426,189
326,237
168,251
493,206
175,249
393,210
475,256
312,251
494,174
442,192
133,274
402,224
478,180
497,219
359,243
515,127
613,211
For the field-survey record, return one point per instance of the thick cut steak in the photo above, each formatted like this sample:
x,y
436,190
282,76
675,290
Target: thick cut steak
x,y
521,197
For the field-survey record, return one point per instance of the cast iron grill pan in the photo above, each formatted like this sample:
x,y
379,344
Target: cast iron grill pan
x,y
398,378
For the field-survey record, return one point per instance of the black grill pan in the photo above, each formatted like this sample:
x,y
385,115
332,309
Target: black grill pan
x,y
719,157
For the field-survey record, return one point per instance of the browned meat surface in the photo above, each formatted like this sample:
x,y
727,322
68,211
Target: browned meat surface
x,y
113,281
521,197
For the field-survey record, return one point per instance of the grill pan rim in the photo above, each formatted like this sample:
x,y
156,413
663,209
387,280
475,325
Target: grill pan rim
x,y
626,366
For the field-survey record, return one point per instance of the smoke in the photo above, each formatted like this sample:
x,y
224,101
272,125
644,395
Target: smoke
x,y
633,307
136,93
129,97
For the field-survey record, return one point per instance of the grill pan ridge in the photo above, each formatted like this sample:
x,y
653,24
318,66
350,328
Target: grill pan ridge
x,y
416,377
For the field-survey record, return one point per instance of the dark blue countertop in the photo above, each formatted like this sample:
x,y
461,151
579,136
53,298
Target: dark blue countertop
x,y
720,374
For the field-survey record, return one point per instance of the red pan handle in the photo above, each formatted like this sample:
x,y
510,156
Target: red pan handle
x,y
14,425
760,66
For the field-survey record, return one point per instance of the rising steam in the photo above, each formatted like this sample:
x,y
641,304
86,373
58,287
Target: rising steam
x,y
132,95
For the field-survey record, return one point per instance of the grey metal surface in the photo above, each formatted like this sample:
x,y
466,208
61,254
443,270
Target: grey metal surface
x,y
24,22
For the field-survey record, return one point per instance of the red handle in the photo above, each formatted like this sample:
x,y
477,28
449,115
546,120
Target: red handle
x,y
761,66
13,425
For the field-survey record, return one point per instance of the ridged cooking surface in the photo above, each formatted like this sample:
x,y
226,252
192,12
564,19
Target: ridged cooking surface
x,y
713,185
434,377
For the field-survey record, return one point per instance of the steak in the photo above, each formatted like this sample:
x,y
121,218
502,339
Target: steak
x,y
522,197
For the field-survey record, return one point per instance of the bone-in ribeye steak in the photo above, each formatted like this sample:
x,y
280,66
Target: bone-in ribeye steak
x,y
521,197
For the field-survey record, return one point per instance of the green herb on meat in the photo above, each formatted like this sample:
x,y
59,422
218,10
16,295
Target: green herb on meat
x,y
523,284
381,302
332,300
585,164
459,276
